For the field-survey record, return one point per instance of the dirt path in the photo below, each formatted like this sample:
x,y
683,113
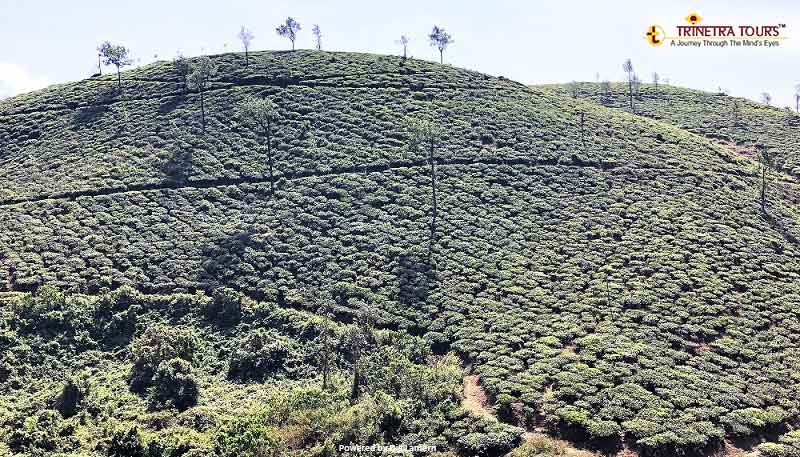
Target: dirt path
x,y
475,399
477,402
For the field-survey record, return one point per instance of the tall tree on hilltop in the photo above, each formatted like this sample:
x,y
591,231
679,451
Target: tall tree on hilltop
x,y
766,98
766,162
289,30
655,79
427,134
262,113
202,72
403,41
317,36
183,68
441,40
627,67
797,98
736,112
116,55
605,92
246,37
574,89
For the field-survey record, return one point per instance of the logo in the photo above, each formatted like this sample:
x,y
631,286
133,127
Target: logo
x,y
655,35
699,34
693,18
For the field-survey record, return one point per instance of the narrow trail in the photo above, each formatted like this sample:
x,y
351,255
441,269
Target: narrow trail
x,y
354,169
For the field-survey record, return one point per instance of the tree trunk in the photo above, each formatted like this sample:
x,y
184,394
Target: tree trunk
x,y
246,57
269,158
356,377
203,110
434,208
325,361
119,79
292,45
764,189
630,91
441,56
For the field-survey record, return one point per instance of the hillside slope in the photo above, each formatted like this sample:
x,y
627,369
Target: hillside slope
x,y
608,276
736,122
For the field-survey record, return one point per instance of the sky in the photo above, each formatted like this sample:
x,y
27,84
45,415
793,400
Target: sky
x,y
530,41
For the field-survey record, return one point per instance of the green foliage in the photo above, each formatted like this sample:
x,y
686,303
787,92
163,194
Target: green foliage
x,y
225,307
246,437
616,274
261,354
174,386
126,443
158,345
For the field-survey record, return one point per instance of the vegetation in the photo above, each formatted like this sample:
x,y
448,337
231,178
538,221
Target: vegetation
x,y
317,37
202,73
262,113
115,55
246,37
738,124
289,30
611,278
440,40
200,398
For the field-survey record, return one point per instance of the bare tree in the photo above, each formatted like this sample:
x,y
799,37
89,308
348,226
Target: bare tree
x,y
574,89
262,113
441,40
289,30
202,72
425,133
246,37
766,98
317,36
766,161
116,55
637,85
404,42
797,98
627,67
655,80
183,68
736,112
605,91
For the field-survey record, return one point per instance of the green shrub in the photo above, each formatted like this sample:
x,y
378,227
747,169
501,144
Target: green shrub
x,y
261,354
246,437
225,306
174,386
156,345
494,442
72,397
126,443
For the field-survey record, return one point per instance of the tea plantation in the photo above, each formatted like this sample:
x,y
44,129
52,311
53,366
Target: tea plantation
x,y
735,122
611,278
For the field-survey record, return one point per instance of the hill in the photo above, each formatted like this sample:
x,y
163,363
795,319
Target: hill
x,y
737,123
610,278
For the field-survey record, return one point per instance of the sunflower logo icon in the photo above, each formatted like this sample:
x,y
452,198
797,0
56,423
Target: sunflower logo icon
x,y
655,35
693,18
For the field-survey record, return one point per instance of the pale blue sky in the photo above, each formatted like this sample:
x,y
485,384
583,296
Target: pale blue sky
x,y
528,41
